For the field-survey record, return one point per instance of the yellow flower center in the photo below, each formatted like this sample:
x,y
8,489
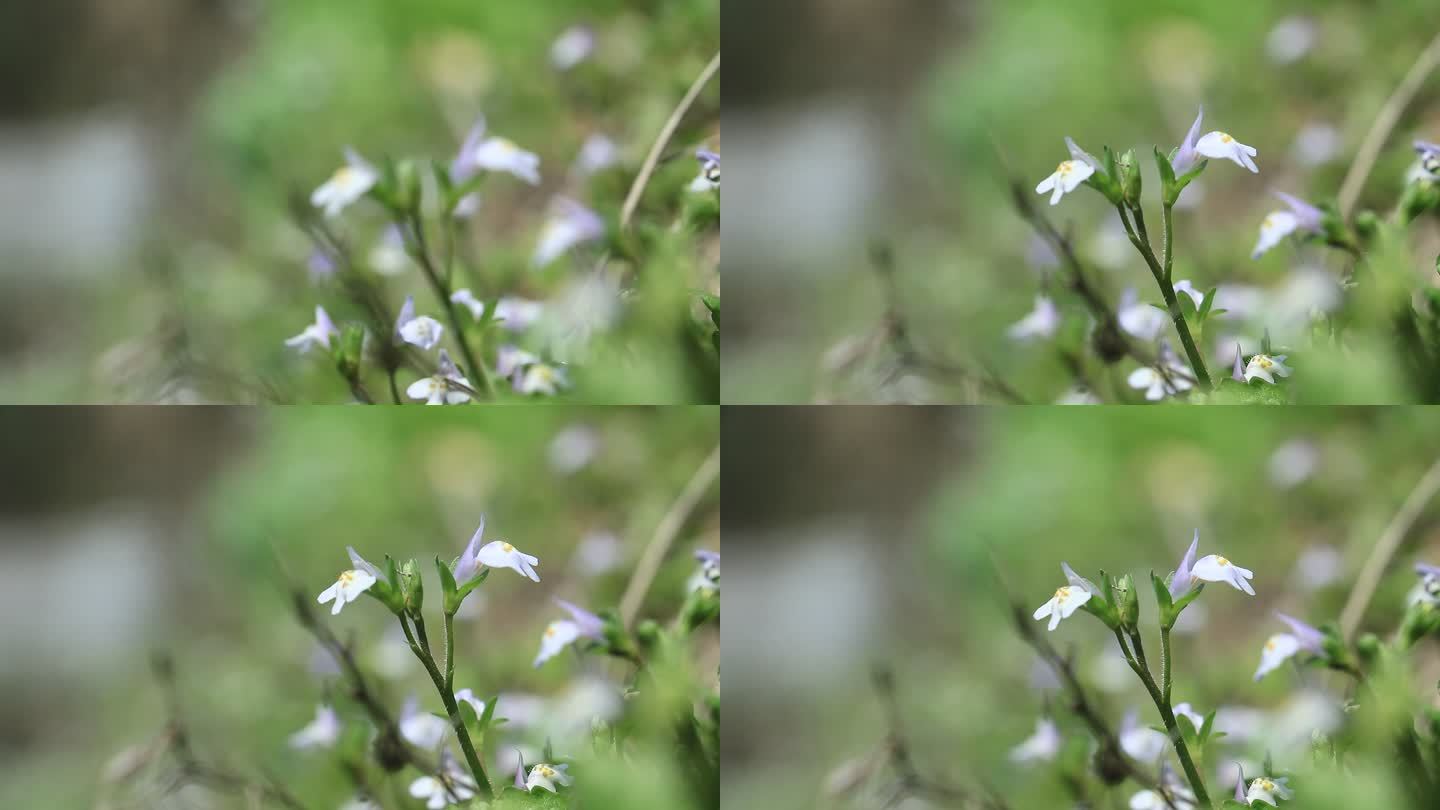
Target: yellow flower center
x,y
1270,645
1225,138
508,548
347,577
344,175
1264,784
550,631
547,771
1222,561
1265,362
1066,167
1062,594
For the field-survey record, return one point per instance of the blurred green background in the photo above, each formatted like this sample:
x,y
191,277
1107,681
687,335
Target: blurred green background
x,y
996,91
241,105
171,532
883,565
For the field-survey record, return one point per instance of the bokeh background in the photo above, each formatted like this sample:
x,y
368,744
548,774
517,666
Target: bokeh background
x,y
896,125
862,537
131,532
149,154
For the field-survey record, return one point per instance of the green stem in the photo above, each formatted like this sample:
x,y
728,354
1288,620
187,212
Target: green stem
x,y
452,709
1172,304
1167,716
421,253
1165,663
449,653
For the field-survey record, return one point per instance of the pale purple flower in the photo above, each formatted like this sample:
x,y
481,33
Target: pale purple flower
x,y
1280,647
1168,378
350,183
316,334
1182,580
540,378
709,177
496,554
514,314
419,728
1185,155
1429,158
1277,225
511,359
1429,588
441,388
320,265
493,154
423,331
597,154
570,224
407,314
573,46
708,575
1040,322
1240,784
562,633
520,771
1215,568
1238,373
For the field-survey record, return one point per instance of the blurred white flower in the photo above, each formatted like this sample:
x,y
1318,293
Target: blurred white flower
x,y
1042,746
468,696
347,589
1170,378
599,552
1069,174
388,256
1317,144
597,154
1142,742
493,154
1267,790
1187,711
1264,367
1292,464
316,334
423,331
546,778
1041,322
322,732
421,729
573,46
572,450
349,184
1291,39
1214,568
570,224
1067,599
440,388
437,791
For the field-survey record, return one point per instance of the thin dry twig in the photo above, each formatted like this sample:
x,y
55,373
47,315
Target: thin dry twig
x,y
665,533
1385,548
1384,124
632,199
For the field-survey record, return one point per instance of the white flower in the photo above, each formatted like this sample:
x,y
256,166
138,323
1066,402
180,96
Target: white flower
x,y
347,588
1221,145
1043,745
1142,320
423,331
316,334
570,224
468,696
1068,598
572,47
1180,796
1142,742
440,388
421,729
322,732
1042,321
1290,39
1170,378
361,803
597,154
541,378
499,554
1265,366
546,777
1267,790
709,177
350,183
1278,649
1196,719
452,785
515,314
1214,568
1067,177
494,154
388,256
1078,395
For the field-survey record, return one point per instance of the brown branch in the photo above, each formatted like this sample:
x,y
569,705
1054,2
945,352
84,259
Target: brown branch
x,y
664,536
637,188
1385,547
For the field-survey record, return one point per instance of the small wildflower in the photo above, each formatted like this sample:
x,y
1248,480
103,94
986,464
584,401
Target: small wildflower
x,y
570,224
468,696
709,574
562,633
440,388
1068,598
322,732
514,314
541,378
1291,39
1186,710
1240,784
709,177
1168,378
1142,743
511,359
493,154
1277,225
439,790
1069,174
546,777
597,154
316,334
350,183
520,770
1429,154
1238,372
388,256
1140,319
1041,322
1282,646
1214,568
423,331
351,583
1183,578
1265,366
496,554
1180,797
573,46
1041,746
1267,790
1222,145
421,729
320,265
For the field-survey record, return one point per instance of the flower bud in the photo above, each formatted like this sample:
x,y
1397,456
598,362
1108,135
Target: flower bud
x,y
412,587
1127,602
1419,197
1128,171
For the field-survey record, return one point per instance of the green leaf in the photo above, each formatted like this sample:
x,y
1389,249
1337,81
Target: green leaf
x,y
1162,592
448,587
1187,307
1208,302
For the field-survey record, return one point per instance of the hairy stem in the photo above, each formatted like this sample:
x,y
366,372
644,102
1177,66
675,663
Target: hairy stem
x,y
1172,304
1165,664
1167,716
449,653
441,286
452,709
